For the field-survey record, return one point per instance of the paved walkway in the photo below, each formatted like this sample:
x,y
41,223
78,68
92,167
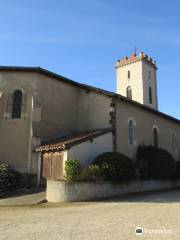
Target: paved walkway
x,y
26,197
157,213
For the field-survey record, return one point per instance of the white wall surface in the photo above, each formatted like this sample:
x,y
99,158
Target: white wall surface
x,y
86,152
63,191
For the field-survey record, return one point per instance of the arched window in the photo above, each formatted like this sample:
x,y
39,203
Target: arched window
x,y
129,92
155,137
129,74
131,125
150,95
17,104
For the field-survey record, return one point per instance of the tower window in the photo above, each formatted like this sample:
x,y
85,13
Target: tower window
x,y
17,104
155,137
129,74
129,92
149,75
150,95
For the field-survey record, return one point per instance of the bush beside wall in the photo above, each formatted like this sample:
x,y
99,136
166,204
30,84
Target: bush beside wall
x,y
9,178
72,169
115,166
177,170
91,173
154,163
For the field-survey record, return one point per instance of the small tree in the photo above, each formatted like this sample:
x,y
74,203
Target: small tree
x,y
72,169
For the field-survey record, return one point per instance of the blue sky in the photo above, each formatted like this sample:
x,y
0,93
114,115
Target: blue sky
x,y
82,39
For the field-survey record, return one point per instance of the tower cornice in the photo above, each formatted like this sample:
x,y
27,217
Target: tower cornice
x,y
135,58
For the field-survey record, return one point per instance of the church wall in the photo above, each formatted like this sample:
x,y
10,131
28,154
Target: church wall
x,y
15,134
93,110
58,101
145,121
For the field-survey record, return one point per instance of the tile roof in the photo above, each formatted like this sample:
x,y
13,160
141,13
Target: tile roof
x,y
71,139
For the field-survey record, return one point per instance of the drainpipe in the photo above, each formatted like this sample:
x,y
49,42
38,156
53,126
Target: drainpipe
x,y
39,169
112,121
30,138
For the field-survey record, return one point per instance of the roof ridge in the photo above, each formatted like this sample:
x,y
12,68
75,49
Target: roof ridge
x,y
90,88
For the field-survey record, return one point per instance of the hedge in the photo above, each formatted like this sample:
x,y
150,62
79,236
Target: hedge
x,y
154,163
9,178
115,166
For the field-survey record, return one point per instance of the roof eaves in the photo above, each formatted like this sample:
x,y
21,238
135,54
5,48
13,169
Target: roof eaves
x,y
87,87
59,147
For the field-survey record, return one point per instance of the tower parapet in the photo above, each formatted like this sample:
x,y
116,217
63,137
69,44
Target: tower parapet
x,y
134,58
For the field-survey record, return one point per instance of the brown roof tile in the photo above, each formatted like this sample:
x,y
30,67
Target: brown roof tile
x,y
72,139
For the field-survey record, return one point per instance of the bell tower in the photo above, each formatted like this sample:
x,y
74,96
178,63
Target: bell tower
x,y
136,79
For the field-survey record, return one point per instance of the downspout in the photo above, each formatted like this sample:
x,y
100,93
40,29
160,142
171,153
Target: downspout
x,y
30,138
39,169
112,121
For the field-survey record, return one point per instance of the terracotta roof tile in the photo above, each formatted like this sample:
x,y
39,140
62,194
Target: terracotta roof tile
x,y
72,139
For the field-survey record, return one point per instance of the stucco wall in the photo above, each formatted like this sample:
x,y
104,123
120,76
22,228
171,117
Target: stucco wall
x,y
135,81
149,82
63,191
145,121
93,110
53,107
86,152
15,137
58,102
65,107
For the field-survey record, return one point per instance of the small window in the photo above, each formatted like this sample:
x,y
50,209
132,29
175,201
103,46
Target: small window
x,y
17,104
150,95
129,92
149,75
155,137
131,132
129,75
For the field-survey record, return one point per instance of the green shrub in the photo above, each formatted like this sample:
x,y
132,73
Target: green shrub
x,y
9,178
115,166
91,173
154,163
72,169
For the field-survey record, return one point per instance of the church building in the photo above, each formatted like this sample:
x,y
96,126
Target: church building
x,y
46,119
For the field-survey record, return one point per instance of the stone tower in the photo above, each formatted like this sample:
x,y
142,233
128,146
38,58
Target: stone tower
x,y
136,79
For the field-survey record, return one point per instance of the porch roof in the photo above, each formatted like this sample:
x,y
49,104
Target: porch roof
x,y
71,139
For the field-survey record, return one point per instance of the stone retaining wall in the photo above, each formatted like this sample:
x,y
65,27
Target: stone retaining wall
x,y
63,191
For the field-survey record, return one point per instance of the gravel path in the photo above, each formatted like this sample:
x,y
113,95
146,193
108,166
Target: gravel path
x,y
111,219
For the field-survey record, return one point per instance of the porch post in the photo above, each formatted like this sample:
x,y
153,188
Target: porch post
x,y
39,169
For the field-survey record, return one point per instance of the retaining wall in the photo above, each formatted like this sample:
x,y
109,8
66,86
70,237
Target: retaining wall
x,y
64,191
